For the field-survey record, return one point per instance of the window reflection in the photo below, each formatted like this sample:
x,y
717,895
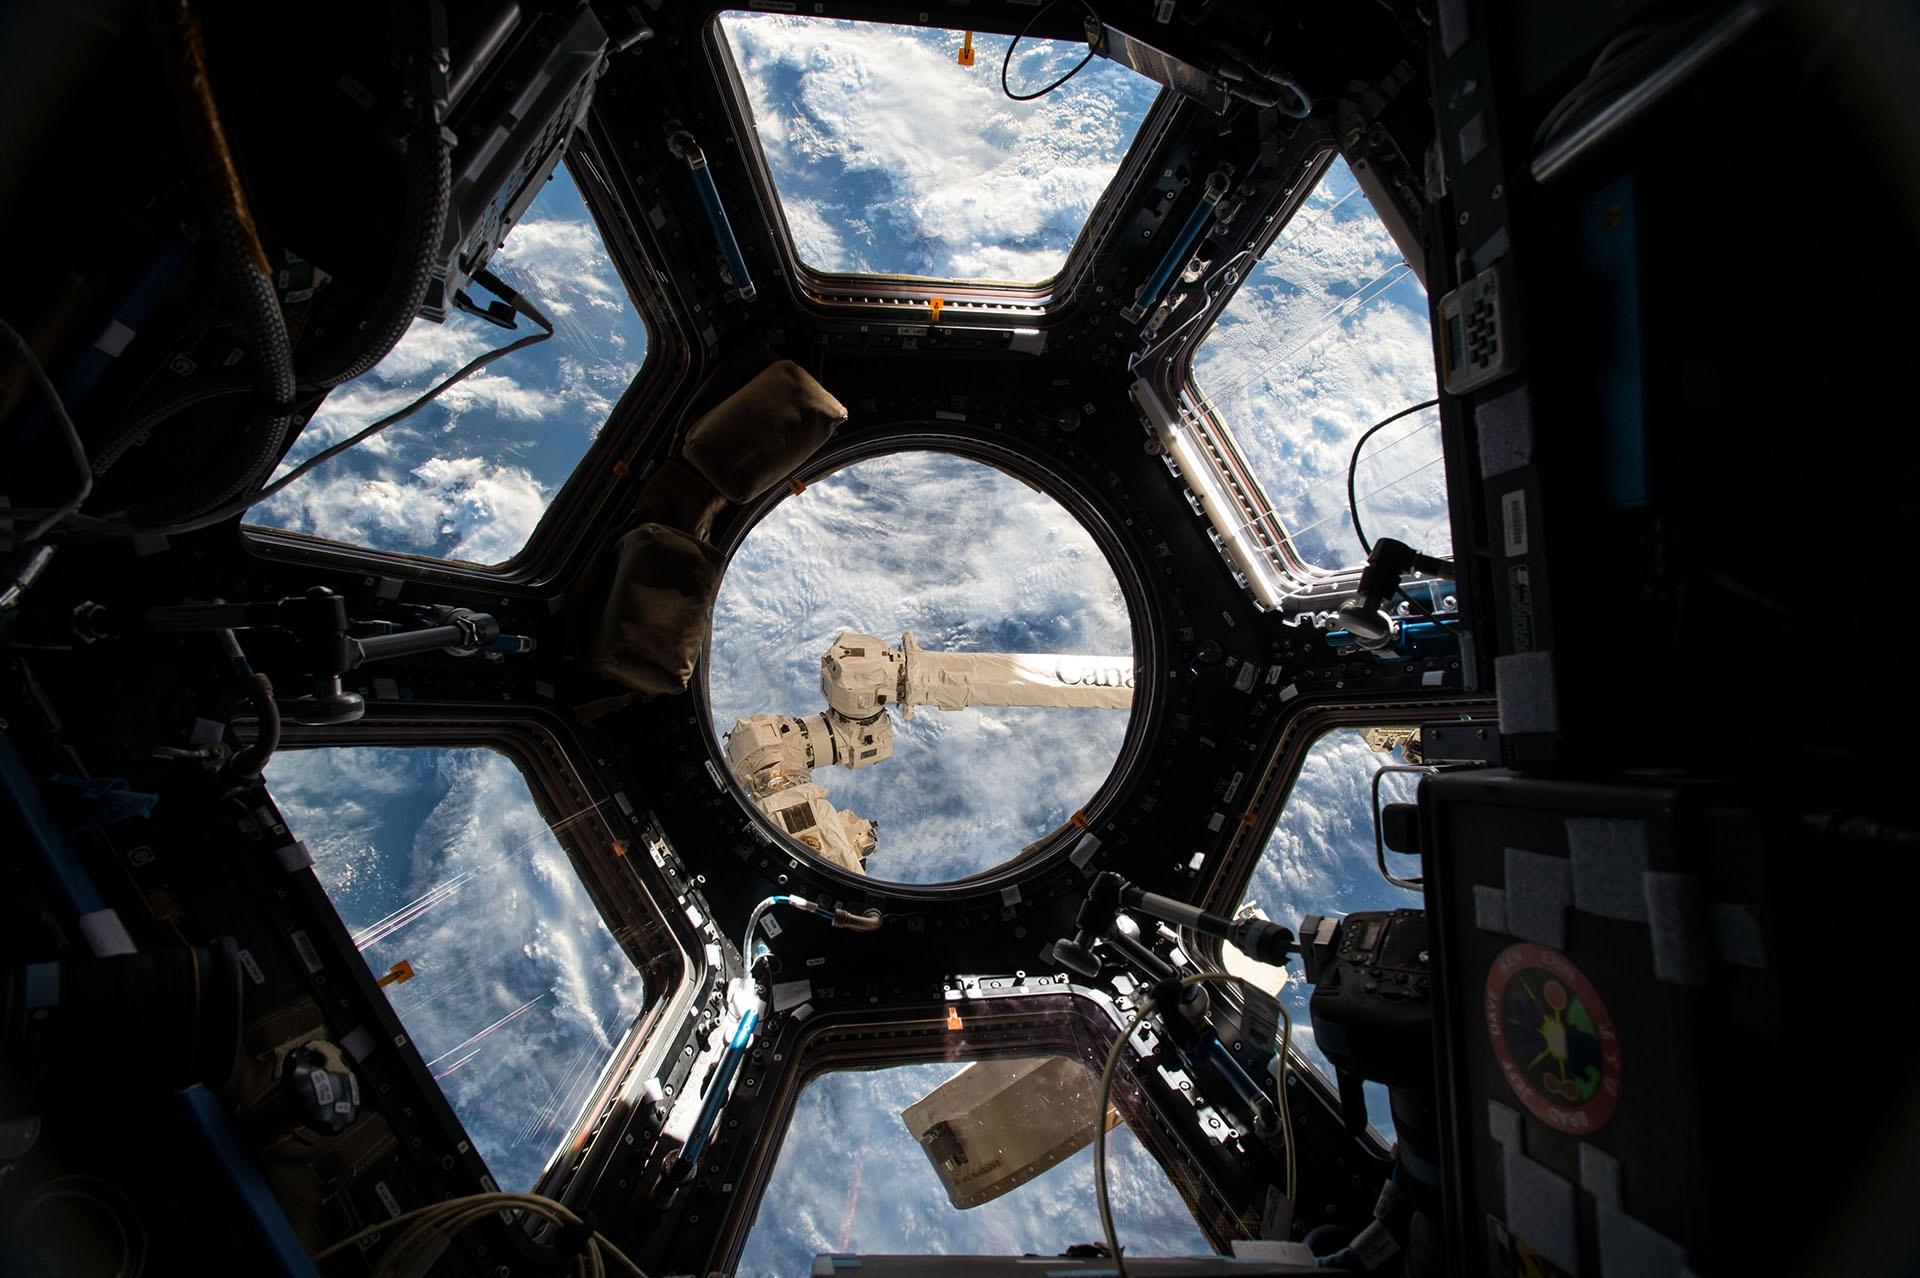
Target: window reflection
x,y
855,1176
1327,335
438,858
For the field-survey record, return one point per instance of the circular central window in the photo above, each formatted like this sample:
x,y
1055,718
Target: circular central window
x,y
926,644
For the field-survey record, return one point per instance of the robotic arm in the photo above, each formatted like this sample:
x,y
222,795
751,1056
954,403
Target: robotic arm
x,y
860,676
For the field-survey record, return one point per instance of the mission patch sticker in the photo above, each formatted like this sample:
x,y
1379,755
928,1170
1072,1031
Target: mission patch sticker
x,y
1553,1038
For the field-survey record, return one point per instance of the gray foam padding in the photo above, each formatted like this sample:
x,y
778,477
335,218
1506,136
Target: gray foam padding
x,y
1489,908
1524,683
1609,855
1542,1210
1630,1247
1539,889
1503,1122
1600,1174
1742,941
1676,928
1506,433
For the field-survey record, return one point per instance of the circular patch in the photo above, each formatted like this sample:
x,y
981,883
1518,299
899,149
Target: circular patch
x,y
1553,1038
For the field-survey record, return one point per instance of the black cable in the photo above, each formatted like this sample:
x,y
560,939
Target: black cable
x,y
367,432
252,761
520,304
1006,63
1353,466
69,435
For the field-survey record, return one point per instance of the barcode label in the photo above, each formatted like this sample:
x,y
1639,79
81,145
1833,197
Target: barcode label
x,y
1513,520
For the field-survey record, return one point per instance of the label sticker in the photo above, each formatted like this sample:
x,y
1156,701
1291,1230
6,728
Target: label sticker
x,y
303,946
1553,1038
1513,521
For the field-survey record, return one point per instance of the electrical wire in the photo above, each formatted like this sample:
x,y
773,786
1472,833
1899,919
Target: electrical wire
x,y
243,504
1006,63
70,435
1353,465
431,1228
1140,1014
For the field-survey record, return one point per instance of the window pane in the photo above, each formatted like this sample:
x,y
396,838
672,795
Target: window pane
x,y
853,1177
1328,335
1319,860
889,157
969,560
470,475
439,858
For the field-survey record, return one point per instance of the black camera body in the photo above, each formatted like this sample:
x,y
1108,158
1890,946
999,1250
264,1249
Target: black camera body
x,y
1372,1003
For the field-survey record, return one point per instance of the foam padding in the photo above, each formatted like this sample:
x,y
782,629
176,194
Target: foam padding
x,y
760,434
648,635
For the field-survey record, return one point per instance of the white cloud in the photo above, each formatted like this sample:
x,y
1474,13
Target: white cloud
x,y
563,263
891,157
456,508
469,475
1327,336
513,928
968,559
850,1177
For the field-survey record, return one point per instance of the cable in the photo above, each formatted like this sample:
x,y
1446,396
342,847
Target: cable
x,y
245,271
252,761
431,1228
1140,1014
1353,466
243,504
1006,63
857,922
69,434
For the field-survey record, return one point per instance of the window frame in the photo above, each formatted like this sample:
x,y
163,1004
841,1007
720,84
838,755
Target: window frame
x,y
1223,892
1022,1022
586,491
645,919
1149,642
983,301
1200,447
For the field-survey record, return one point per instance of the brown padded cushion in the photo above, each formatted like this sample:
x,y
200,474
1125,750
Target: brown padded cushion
x,y
760,434
679,497
649,632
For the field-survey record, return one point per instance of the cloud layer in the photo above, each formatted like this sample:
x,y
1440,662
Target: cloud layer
x,y
970,560
439,858
850,1177
890,157
470,475
1328,335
